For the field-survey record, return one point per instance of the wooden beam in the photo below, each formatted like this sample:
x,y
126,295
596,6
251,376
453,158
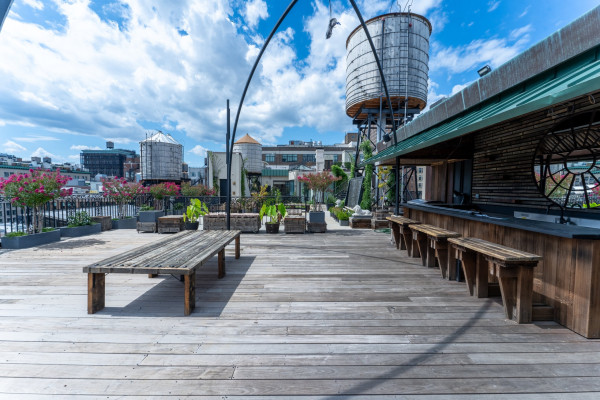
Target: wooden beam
x,y
96,292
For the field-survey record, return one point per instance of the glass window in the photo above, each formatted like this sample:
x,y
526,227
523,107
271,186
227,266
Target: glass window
x,y
309,158
336,158
289,157
270,157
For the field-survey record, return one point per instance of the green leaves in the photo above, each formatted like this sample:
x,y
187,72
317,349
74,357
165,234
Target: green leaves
x,y
195,210
275,212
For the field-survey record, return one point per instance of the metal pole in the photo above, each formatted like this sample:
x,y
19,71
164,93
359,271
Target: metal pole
x,y
228,149
397,210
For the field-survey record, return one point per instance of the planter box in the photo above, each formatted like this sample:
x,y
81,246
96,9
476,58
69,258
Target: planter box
x,y
272,228
344,223
146,227
127,223
37,239
379,223
316,217
150,216
104,221
360,222
316,227
294,224
247,223
170,224
77,231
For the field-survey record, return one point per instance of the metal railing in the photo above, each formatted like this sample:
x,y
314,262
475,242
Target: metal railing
x,y
56,213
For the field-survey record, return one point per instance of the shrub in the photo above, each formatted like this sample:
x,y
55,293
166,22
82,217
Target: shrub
x,y
122,192
15,234
80,218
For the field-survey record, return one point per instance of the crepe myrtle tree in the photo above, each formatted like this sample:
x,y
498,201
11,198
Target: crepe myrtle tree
x,y
319,183
34,190
122,192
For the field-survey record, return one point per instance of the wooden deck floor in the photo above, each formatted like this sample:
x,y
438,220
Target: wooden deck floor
x,y
315,316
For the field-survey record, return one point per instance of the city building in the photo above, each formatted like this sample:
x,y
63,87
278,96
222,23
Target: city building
x,y
111,162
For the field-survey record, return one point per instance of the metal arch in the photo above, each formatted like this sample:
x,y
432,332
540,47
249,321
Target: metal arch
x,y
262,50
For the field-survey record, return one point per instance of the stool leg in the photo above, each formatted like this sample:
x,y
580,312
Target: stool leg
x,y
190,293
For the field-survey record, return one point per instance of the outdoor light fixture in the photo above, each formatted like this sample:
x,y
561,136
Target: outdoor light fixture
x,y
386,138
485,70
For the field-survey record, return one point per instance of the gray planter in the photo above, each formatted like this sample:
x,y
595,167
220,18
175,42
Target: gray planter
x,y
37,239
77,231
127,223
344,223
317,217
150,216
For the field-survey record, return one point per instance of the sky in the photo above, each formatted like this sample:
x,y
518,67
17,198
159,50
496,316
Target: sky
x,y
77,73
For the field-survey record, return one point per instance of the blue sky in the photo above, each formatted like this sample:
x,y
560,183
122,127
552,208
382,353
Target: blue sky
x,y
76,73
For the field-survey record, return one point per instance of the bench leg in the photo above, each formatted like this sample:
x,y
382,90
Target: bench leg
x,y
189,302
441,253
468,260
237,247
516,287
152,275
409,244
396,236
421,241
221,263
451,264
481,277
96,292
430,254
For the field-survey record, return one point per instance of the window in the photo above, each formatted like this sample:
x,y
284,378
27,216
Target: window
x,y
270,157
6,174
289,158
420,170
336,158
309,158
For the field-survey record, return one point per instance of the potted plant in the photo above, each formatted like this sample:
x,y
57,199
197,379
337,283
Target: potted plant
x,y
33,190
122,193
194,211
343,217
149,214
275,212
318,183
79,224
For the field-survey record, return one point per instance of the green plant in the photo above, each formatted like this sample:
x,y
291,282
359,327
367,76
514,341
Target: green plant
x,y
318,183
48,229
195,210
366,201
80,218
15,234
146,207
275,212
592,205
343,216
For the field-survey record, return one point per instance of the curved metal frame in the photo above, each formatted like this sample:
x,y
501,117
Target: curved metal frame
x,y
229,144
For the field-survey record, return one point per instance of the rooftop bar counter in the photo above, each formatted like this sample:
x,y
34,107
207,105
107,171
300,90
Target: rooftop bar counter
x,y
568,276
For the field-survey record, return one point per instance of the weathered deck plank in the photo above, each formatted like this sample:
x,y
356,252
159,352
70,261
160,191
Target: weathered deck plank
x,y
325,315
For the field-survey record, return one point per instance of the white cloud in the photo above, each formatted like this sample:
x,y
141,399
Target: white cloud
x,y
492,5
520,33
458,88
36,4
37,138
199,151
254,11
84,147
525,11
41,152
12,147
476,54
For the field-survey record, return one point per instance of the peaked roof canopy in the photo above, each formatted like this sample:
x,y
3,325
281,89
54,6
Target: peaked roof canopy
x,y
247,139
161,137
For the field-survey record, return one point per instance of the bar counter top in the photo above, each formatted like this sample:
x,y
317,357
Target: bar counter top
x,y
547,228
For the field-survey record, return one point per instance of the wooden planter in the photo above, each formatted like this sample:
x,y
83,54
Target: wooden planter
x,y
127,223
104,221
294,224
77,231
248,222
170,224
36,239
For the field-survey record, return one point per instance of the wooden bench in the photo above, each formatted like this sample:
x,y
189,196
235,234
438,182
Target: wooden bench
x,y
513,268
402,234
180,254
433,243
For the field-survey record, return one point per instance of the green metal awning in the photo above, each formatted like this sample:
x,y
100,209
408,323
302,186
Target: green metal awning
x,y
275,172
575,78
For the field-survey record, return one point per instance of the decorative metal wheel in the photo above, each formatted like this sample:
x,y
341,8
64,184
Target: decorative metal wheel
x,y
566,166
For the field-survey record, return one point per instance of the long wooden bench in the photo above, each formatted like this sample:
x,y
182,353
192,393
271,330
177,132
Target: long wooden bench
x,y
513,268
402,234
180,254
433,243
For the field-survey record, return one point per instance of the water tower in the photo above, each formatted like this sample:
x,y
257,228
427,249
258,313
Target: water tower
x,y
251,152
402,44
161,158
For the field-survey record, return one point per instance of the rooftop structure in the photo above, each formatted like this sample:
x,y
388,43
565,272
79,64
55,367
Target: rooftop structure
x,y
161,158
109,162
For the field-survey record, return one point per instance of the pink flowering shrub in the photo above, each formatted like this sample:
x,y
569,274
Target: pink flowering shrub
x,y
122,192
33,190
318,183
162,190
